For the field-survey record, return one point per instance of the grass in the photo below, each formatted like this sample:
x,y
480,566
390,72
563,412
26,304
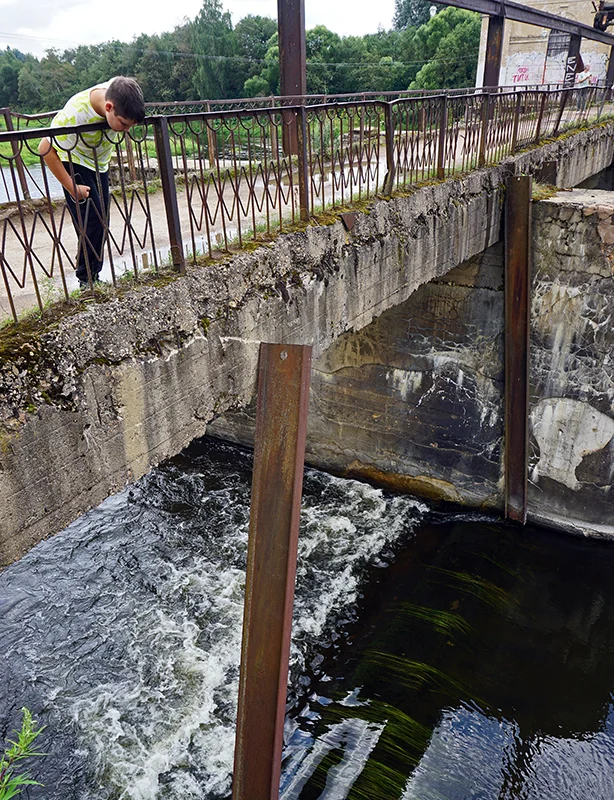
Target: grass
x,y
11,781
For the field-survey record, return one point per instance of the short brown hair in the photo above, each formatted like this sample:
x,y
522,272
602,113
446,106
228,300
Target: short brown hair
x,y
127,97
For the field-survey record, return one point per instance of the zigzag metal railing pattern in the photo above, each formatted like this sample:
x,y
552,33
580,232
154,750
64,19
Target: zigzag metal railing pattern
x,y
238,177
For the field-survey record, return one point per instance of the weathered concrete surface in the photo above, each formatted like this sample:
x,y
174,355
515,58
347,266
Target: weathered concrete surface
x,y
572,362
414,401
93,403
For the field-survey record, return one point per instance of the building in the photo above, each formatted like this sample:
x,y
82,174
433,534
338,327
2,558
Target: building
x,y
534,55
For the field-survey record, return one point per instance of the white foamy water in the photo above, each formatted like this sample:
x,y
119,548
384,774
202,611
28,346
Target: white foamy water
x,y
132,648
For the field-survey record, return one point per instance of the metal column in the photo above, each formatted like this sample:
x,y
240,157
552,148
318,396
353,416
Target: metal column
x,y
292,62
169,190
281,422
573,62
517,290
494,49
609,78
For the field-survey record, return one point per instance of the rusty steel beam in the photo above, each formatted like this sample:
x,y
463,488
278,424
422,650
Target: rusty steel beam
x,y
494,51
292,62
517,289
169,190
573,63
547,172
531,16
281,423
609,77
292,47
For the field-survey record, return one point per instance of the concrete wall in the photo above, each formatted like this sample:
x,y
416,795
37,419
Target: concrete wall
x,y
572,362
414,401
91,403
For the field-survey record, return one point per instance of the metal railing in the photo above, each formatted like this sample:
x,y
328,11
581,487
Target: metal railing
x,y
190,185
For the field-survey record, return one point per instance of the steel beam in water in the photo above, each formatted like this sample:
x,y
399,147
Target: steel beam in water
x,y
517,289
281,424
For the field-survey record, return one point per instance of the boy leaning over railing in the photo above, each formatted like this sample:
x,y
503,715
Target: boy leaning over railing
x,y
81,162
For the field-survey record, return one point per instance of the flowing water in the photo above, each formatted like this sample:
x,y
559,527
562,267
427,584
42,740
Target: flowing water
x,y
122,634
433,658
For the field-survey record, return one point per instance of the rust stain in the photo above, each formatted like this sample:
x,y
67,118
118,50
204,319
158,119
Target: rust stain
x,y
421,485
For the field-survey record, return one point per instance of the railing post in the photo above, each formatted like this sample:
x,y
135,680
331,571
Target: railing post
x,y
211,139
484,118
564,98
516,123
443,129
130,158
390,165
517,338
279,453
303,164
169,190
540,116
8,121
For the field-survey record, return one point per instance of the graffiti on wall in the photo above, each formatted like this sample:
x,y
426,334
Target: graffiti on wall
x,y
532,68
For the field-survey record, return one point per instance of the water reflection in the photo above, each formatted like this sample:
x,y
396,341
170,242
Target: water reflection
x,y
486,659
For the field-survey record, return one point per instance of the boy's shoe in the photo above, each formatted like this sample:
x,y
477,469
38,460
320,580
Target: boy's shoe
x,y
84,285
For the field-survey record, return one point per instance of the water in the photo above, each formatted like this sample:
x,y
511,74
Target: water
x,y
434,658
122,634
483,667
35,181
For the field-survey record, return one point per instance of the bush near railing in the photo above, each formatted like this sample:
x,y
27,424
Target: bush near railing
x,y
231,176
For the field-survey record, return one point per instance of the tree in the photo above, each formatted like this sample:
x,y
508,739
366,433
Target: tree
x,y
412,12
212,39
252,36
11,62
452,44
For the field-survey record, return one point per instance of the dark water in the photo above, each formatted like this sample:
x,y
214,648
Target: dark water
x,y
430,661
483,667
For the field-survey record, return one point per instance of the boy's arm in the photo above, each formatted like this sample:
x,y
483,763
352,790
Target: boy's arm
x,y
52,160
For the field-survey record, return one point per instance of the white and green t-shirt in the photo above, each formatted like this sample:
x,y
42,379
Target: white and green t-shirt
x,y
78,111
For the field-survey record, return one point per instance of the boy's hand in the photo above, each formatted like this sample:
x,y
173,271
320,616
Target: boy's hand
x,y
80,192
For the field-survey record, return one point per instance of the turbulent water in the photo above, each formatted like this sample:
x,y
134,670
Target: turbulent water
x,y
122,634
433,658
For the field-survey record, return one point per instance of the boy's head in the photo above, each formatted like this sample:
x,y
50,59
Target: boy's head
x,y
124,104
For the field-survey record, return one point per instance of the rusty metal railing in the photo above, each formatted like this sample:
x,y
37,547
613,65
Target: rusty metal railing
x,y
188,185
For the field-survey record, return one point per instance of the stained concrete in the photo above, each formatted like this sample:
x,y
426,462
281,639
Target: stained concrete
x,y
571,465
94,402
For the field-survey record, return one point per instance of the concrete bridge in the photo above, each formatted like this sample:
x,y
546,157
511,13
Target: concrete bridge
x,y
405,314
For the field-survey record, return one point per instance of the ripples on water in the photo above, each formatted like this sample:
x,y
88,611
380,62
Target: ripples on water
x,y
122,634
480,667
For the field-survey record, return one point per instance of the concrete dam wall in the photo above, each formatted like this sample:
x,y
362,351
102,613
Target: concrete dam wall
x,y
95,400
415,400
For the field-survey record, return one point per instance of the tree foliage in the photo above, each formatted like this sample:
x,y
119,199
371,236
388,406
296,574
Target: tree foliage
x,y
451,41
412,12
208,58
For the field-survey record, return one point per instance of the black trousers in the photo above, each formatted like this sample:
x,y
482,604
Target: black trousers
x,y
90,218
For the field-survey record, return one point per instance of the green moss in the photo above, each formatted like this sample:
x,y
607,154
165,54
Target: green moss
x,y
543,191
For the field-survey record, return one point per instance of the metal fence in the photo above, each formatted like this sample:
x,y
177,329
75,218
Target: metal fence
x,y
190,185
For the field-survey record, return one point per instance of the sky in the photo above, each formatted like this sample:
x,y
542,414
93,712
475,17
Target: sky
x,y
34,26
